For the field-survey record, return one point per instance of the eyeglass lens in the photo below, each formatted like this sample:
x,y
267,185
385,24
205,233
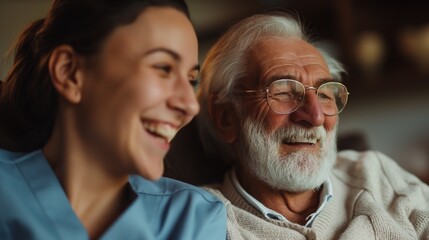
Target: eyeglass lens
x,y
285,96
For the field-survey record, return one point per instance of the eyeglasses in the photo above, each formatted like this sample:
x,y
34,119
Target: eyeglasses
x,y
285,96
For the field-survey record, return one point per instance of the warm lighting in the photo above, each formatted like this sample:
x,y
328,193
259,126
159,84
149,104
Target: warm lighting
x,y
369,52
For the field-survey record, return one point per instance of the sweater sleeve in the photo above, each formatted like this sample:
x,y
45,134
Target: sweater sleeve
x,y
394,200
413,189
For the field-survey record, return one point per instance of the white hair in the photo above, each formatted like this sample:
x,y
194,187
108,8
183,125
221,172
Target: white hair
x,y
225,65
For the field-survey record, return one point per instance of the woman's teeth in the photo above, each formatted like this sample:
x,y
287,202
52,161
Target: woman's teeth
x,y
162,130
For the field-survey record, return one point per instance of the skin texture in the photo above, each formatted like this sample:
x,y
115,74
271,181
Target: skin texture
x,y
271,59
119,109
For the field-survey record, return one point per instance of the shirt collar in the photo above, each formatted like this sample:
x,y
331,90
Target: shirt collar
x,y
325,195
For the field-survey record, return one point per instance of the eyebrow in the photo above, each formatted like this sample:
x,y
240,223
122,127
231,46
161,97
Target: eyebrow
x,y
278,77
293,77
173,54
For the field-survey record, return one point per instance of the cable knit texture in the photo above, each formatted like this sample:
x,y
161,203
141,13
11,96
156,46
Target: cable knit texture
x,y
373,198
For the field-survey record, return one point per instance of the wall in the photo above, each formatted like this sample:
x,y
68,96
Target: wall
x,y
397,125
14,15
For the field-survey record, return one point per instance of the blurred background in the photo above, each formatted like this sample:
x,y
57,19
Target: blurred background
x,y
384,46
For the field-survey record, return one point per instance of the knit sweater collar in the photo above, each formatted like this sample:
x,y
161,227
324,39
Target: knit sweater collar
x,y
231,192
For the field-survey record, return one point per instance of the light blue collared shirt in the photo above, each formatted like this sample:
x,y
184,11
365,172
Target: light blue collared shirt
x,y
325,195
33,205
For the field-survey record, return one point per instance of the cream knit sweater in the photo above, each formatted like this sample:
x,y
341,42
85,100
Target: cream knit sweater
x,y
373,198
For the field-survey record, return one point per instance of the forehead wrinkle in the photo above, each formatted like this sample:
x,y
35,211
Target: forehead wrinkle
x,y
312,59
291,58
298,60
280,59
310,56
297,72
292,71
319,67
289,63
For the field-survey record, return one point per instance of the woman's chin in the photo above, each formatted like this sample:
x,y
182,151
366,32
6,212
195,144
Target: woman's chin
x,y
152,173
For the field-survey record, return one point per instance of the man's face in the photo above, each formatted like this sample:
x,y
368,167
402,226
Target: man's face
x,y
293,151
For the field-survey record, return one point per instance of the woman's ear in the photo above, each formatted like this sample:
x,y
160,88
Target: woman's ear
x,y
63,65
224,118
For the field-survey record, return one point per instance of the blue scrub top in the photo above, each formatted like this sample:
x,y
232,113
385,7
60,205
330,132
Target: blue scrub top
x,y
33,205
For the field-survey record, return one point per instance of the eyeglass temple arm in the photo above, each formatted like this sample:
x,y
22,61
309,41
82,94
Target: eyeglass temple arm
x,y
261,91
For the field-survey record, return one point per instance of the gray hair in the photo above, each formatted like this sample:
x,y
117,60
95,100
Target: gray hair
x,y
226,61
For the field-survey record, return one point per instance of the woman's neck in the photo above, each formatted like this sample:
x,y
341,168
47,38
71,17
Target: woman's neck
x,y
96,195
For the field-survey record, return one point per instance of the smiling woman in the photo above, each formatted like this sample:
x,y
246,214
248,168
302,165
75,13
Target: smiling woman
x,y
97,91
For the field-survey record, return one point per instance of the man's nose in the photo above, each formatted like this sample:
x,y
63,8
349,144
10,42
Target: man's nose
x,y
310,113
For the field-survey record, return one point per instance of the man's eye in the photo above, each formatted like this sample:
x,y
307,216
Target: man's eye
x,y
283,96
326,97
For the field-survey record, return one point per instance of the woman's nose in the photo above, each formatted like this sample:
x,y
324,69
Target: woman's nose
x,y
184,99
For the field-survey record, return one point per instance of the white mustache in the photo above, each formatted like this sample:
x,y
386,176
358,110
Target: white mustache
x,y
291,171
296,133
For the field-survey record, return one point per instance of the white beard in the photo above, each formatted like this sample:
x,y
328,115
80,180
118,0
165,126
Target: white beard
x,y
294,172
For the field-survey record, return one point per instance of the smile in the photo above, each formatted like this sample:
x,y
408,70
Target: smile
x,y
299,141
159,129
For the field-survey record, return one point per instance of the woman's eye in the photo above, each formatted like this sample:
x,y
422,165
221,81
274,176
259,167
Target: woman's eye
x,y
166,69
193,82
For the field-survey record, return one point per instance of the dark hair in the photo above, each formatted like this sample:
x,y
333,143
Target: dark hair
x,y
28,101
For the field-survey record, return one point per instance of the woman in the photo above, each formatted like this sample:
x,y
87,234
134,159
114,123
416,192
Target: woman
x,y
97,91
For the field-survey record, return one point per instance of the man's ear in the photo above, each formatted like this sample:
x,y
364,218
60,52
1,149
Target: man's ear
x,y
224,118
63,65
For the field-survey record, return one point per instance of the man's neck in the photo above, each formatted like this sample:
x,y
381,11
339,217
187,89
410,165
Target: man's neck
x,y
295,207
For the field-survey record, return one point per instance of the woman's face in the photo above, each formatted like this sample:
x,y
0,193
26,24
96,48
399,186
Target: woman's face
x,y
137,93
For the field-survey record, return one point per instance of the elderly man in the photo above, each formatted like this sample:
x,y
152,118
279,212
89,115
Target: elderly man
x,y
273,97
